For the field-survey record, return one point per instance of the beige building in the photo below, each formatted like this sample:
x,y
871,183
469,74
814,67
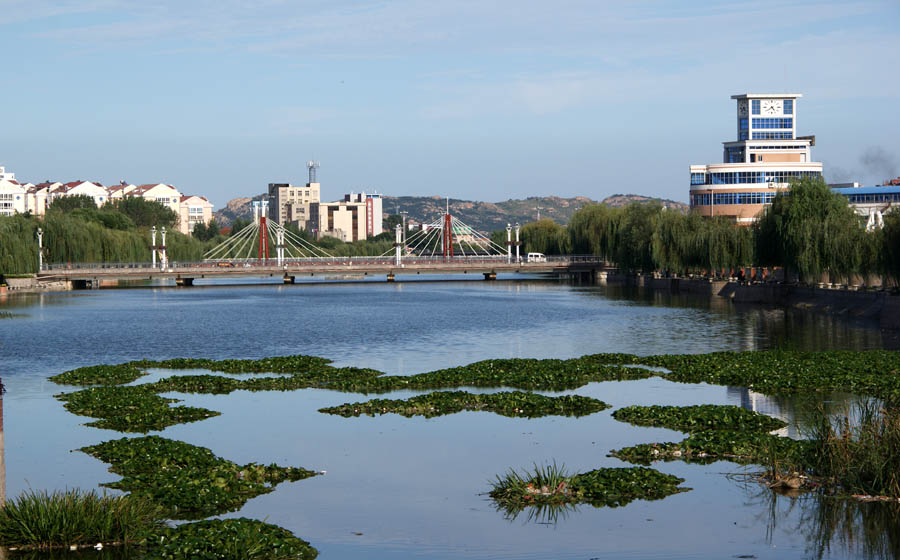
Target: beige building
x,y
764,159
293,203
357,217
167,195
193,210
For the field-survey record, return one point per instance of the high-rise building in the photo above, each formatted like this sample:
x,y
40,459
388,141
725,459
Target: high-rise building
x,y
764,159
292,204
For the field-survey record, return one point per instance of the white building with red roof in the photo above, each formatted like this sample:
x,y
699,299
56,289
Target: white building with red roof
x,y
12,197
85,188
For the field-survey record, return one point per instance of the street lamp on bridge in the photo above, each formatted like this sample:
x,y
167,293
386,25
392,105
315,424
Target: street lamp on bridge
x,y
40,234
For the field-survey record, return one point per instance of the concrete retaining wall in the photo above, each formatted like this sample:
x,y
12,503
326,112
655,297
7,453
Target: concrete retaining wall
x,y
879,305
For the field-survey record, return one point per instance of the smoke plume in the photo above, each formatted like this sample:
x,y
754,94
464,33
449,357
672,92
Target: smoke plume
x,y
879,162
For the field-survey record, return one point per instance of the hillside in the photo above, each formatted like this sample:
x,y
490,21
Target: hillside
x,y
483,216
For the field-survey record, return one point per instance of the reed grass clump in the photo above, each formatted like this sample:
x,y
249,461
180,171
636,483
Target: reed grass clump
x,y
857,453
39,519
552,485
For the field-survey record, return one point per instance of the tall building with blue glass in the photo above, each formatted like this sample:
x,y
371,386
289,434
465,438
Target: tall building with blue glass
x,y
764,159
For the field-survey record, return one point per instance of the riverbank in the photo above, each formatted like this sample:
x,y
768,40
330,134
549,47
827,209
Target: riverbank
x,y
33,285
878,305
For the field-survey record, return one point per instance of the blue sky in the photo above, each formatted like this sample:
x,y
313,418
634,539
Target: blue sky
x,y
469,99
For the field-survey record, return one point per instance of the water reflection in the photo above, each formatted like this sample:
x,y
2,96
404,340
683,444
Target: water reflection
x,y
832,526
801,411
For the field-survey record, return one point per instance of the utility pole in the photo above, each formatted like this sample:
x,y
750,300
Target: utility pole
x,y
538,208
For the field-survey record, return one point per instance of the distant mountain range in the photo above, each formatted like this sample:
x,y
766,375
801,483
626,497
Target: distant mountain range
x,y
483,216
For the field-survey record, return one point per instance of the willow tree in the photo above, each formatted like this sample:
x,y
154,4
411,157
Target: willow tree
x,y
634,237
592,230
810,230
18,245
545,236
889,248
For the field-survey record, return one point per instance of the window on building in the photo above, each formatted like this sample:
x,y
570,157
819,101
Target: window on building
x,y
788,107
745,124
754,106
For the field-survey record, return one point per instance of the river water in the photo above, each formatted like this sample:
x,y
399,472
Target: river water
x,y
413,488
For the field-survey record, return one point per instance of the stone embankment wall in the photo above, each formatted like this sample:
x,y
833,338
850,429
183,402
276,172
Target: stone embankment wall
x,y
28,285
878,305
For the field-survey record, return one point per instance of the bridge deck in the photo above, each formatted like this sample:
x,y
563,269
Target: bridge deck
x,y
313,267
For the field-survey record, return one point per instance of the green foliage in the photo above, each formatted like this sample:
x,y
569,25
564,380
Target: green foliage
x,y
145,213
239,224
99,375
545,236
715,445
189,481
608,487
130,408
872,372
203,232
18,245
811,230
858,455
698,418
280,364
230,539
38,519
513,404
889,251
67,204
390,222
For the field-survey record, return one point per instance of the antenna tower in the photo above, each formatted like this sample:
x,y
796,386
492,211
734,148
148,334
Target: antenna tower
x,y
312,165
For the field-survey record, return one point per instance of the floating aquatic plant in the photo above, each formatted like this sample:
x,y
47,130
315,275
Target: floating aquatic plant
x,y
714,445
133,408
99,375
515,404
698,418
230,539
606,487
189,481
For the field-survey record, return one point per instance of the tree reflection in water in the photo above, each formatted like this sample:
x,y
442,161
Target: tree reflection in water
x,y
839,526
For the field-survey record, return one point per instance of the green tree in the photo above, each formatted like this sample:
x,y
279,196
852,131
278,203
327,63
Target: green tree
x,y
69,203
889,247
145,213
545,236
634,236
811,230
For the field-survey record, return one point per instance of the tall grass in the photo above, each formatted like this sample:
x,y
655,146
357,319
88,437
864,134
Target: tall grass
x,y
858,453
41,519
548,480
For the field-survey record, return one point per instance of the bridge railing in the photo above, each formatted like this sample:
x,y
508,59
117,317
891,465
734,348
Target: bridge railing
x,y
63,268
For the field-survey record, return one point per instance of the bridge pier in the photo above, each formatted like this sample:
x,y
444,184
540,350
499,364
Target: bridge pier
x,y
184,282
289,279
492,275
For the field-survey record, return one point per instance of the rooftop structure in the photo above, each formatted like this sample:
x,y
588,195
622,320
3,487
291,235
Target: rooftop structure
x,y
766,156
